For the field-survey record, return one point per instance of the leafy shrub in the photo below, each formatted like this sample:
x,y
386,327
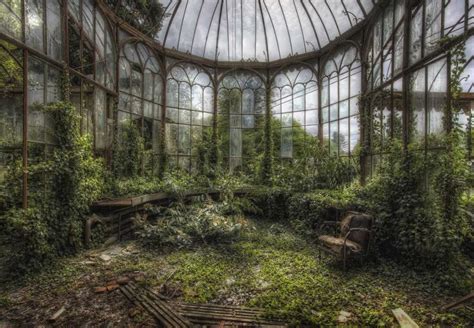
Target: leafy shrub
x,y
185,225
123,187
319,171
309,211
29,231
229,202
272,202
305,211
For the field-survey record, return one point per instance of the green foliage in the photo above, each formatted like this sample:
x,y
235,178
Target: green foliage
x,y
305,212
29,230
129,151
145,15
207,154
61,187
12,183
11,74
185,225
229,203
127,187
320,170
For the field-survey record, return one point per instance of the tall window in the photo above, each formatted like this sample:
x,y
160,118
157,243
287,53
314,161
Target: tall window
x,y
428,99
294,106
10,18
241,119
339,101
189,112
141,86
435,19
91,49
11,104
43,24
385,56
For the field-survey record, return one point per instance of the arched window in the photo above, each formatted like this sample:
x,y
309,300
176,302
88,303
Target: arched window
x,y
294,106
341,84
189,114
241,119
140,99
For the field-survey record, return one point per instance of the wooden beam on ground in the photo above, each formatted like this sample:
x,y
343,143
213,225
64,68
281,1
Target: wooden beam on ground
x,y
459,302
404,319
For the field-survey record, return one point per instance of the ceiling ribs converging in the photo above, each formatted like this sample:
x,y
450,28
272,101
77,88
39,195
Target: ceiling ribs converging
x,y
256,30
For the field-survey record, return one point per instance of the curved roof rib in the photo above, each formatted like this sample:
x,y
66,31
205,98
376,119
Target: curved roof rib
x,y
256,30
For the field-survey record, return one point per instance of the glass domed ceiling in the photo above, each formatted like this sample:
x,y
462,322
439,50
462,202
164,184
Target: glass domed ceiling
x,y
256,30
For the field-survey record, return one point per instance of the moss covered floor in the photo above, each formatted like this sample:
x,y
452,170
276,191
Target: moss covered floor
x,y
269,267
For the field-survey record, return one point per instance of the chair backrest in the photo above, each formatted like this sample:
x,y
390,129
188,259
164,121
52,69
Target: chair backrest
x,y
357,220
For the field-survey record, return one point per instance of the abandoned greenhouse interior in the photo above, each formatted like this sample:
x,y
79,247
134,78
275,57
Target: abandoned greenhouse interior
x,y
230,163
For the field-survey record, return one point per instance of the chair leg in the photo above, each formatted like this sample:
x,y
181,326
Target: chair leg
x,y
344,260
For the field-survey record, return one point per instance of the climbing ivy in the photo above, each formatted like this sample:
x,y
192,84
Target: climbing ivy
x,y
61,188
128,153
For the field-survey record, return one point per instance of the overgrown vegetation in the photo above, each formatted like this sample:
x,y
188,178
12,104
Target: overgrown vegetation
x,y
185,225
145,15
268,266
61,188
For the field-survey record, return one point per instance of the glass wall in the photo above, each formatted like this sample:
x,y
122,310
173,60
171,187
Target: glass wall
x,y
309,101
11,105
428,99
43,24
241,108
140,100
92,53
189,113
91,43
341,86
385,55
433,20
427,73
294,105
11,18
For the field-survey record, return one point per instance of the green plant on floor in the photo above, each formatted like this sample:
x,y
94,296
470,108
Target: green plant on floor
x,y
186,225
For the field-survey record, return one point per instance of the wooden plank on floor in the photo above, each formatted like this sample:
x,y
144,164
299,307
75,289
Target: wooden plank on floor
x,y
178,314
165,316
459,302
404,319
